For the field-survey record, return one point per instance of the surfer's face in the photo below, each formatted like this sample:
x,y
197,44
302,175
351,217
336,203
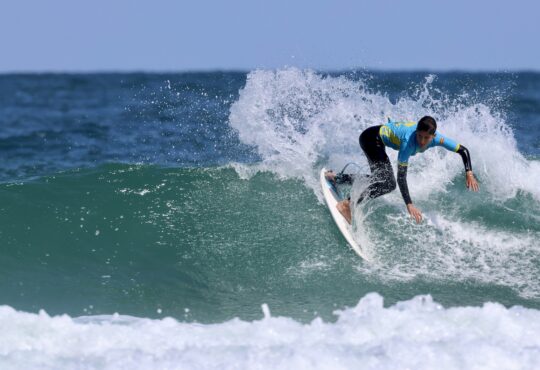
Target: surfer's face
x,y
424,138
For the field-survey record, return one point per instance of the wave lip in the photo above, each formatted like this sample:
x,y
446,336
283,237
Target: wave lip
x,y
418,333
299,120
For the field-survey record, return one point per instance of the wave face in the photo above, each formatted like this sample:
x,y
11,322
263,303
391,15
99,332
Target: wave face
x,y
299,120
140,240
184,202
418,333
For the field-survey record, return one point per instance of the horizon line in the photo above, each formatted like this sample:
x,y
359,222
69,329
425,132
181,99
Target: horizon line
x,y
248,70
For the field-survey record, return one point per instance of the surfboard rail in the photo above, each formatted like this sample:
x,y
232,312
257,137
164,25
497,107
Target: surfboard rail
x,y
332,197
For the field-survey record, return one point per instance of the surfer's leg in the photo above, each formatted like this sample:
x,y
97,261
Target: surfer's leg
x,y
340,178
344,178
383,180
372,145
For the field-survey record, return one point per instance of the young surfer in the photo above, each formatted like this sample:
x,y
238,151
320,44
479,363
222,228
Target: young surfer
x,y
408,138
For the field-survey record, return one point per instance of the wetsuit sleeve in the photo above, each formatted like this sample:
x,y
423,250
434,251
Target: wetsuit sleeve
x,y
446,142
402,183
453,146
403,157
466,157
403,163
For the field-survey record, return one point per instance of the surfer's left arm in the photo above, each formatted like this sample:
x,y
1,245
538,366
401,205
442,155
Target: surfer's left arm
x,y
449,144
470,180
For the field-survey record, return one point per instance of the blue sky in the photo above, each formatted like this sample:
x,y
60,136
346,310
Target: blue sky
x,y
166,35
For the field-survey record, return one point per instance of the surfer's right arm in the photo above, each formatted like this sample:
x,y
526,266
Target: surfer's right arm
x,y
404,189
453,146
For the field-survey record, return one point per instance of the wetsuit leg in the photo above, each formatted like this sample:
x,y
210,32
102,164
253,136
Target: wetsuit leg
x,y
344,178
382,180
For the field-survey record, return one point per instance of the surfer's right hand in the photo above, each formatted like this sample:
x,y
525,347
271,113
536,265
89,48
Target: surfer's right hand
x,y
414,212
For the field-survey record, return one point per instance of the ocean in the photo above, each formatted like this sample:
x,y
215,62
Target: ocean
x,y
175,221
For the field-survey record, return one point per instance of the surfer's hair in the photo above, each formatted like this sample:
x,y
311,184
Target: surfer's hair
x,y
427,124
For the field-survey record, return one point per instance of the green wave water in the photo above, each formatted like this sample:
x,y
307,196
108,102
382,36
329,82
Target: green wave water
x,y
205,244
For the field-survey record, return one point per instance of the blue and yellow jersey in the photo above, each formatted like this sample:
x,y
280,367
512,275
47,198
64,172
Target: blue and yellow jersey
x,y
401,136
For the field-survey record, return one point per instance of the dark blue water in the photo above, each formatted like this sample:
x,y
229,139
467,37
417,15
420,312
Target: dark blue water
x,y
53,122
56,122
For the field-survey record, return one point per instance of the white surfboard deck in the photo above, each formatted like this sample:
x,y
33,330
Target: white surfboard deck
x,y
332,198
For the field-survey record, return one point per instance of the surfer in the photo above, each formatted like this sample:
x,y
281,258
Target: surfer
x,y
408,138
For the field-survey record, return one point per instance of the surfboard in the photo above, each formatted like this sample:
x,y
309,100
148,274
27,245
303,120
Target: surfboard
x,y
332,197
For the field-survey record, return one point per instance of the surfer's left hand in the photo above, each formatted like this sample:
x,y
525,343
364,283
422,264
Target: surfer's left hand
x,y
471,182
414,212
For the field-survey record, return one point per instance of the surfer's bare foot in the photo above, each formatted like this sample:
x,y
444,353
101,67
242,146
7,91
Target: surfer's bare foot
x,y
344,207
330,176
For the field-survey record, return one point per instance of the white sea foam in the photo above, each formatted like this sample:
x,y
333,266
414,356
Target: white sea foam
x,y
417,334
445,249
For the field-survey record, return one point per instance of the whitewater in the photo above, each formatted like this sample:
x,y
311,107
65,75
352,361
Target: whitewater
x,y
418,333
